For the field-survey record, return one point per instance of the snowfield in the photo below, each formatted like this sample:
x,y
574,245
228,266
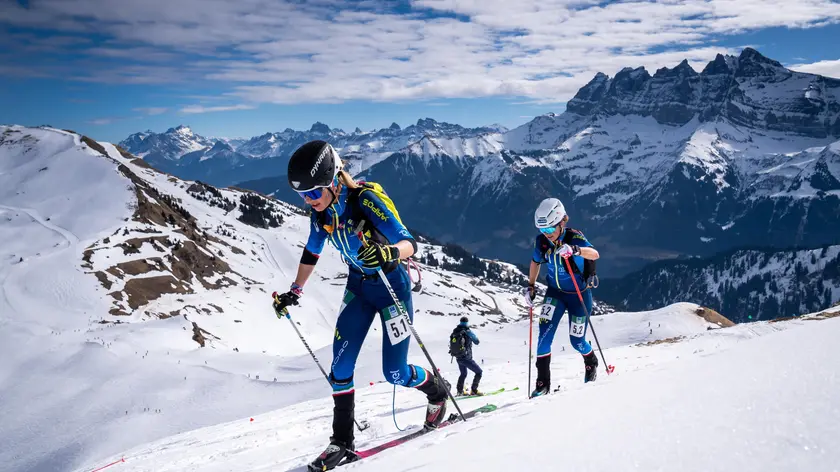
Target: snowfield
x,y
700,404
85,386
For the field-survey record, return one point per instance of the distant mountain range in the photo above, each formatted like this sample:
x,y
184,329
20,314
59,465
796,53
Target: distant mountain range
x,y
677,163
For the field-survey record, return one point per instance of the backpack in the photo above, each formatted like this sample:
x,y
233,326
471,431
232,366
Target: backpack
x,y
355,208
457,342
589,266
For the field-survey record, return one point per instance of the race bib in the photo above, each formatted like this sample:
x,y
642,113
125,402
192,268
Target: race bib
x,y
547,311
577,326
396,325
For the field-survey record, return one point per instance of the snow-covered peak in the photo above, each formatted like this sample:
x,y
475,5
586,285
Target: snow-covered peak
x,y
170,145
182,130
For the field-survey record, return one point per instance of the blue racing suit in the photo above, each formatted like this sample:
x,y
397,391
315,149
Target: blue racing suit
x,y
365,294
561,294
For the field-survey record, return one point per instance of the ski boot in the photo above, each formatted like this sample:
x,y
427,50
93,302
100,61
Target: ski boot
x,y
341,448
336,454
476,393
543,376
590,362
436,390
543,388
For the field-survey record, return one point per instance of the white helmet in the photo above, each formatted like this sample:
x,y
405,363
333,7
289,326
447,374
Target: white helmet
x,y
550,213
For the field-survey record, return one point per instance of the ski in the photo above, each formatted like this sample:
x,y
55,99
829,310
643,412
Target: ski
x,y
453,418
495,392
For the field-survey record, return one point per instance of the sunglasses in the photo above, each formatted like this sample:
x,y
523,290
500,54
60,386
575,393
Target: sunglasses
x,y
316,193
552,229
313,194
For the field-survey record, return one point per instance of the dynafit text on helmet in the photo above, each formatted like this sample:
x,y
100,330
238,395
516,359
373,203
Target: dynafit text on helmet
x,y
362,223
570,260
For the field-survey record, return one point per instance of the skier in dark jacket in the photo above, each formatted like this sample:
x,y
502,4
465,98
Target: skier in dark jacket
x,y
460,343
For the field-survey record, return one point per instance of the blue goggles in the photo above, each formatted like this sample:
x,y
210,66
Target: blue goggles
x,y
313,194
549,230
316,193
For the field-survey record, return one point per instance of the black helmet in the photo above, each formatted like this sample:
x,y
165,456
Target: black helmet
x,y
313,165
464,319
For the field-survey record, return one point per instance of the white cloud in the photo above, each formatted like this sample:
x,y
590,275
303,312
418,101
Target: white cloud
x,y
102,121
193,109
152,110
826,68
294,52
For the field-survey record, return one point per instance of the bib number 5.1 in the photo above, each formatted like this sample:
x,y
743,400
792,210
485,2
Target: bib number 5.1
x,y
396,325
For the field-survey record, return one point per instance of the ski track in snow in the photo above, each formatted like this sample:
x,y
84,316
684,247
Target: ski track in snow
x,y
70,239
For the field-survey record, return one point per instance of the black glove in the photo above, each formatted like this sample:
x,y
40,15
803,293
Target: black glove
x,y
281,302
377,255
531,293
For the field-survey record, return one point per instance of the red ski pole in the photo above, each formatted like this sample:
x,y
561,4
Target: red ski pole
x,y
610,368
109,465
530,347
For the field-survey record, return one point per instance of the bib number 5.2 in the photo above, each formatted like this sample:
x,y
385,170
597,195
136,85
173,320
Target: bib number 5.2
x,y
396,325
577,326
547,311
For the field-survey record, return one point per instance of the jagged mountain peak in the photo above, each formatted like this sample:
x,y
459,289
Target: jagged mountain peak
x,y
683,69
720,65
749,54
750,90
319,127
221,146
182,130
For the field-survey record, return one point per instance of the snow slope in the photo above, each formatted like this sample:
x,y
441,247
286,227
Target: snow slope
x,y
698,404
80,367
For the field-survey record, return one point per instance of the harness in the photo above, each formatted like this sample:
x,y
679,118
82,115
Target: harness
x,y
589,266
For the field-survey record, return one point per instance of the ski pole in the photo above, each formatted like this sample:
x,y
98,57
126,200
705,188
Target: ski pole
x,y
530,347
364,424
410,324
609,368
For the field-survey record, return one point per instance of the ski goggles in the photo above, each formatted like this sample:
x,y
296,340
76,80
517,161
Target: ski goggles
x,y
313,194
549,230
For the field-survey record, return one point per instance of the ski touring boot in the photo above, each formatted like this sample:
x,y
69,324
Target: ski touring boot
x,y
341,449
476,393
336,454
543,377
436,390
543,388
590,362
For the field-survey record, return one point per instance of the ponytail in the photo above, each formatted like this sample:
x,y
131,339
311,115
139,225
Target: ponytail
x,y
346,179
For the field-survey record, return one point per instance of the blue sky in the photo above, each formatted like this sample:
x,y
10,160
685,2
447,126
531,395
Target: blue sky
x,y
242,68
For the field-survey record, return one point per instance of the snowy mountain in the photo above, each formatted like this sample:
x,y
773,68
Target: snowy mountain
x,y
686,163
743,284
167,146
190,156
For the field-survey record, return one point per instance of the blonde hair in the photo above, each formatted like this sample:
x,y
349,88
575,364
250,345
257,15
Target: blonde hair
x,y
346,179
